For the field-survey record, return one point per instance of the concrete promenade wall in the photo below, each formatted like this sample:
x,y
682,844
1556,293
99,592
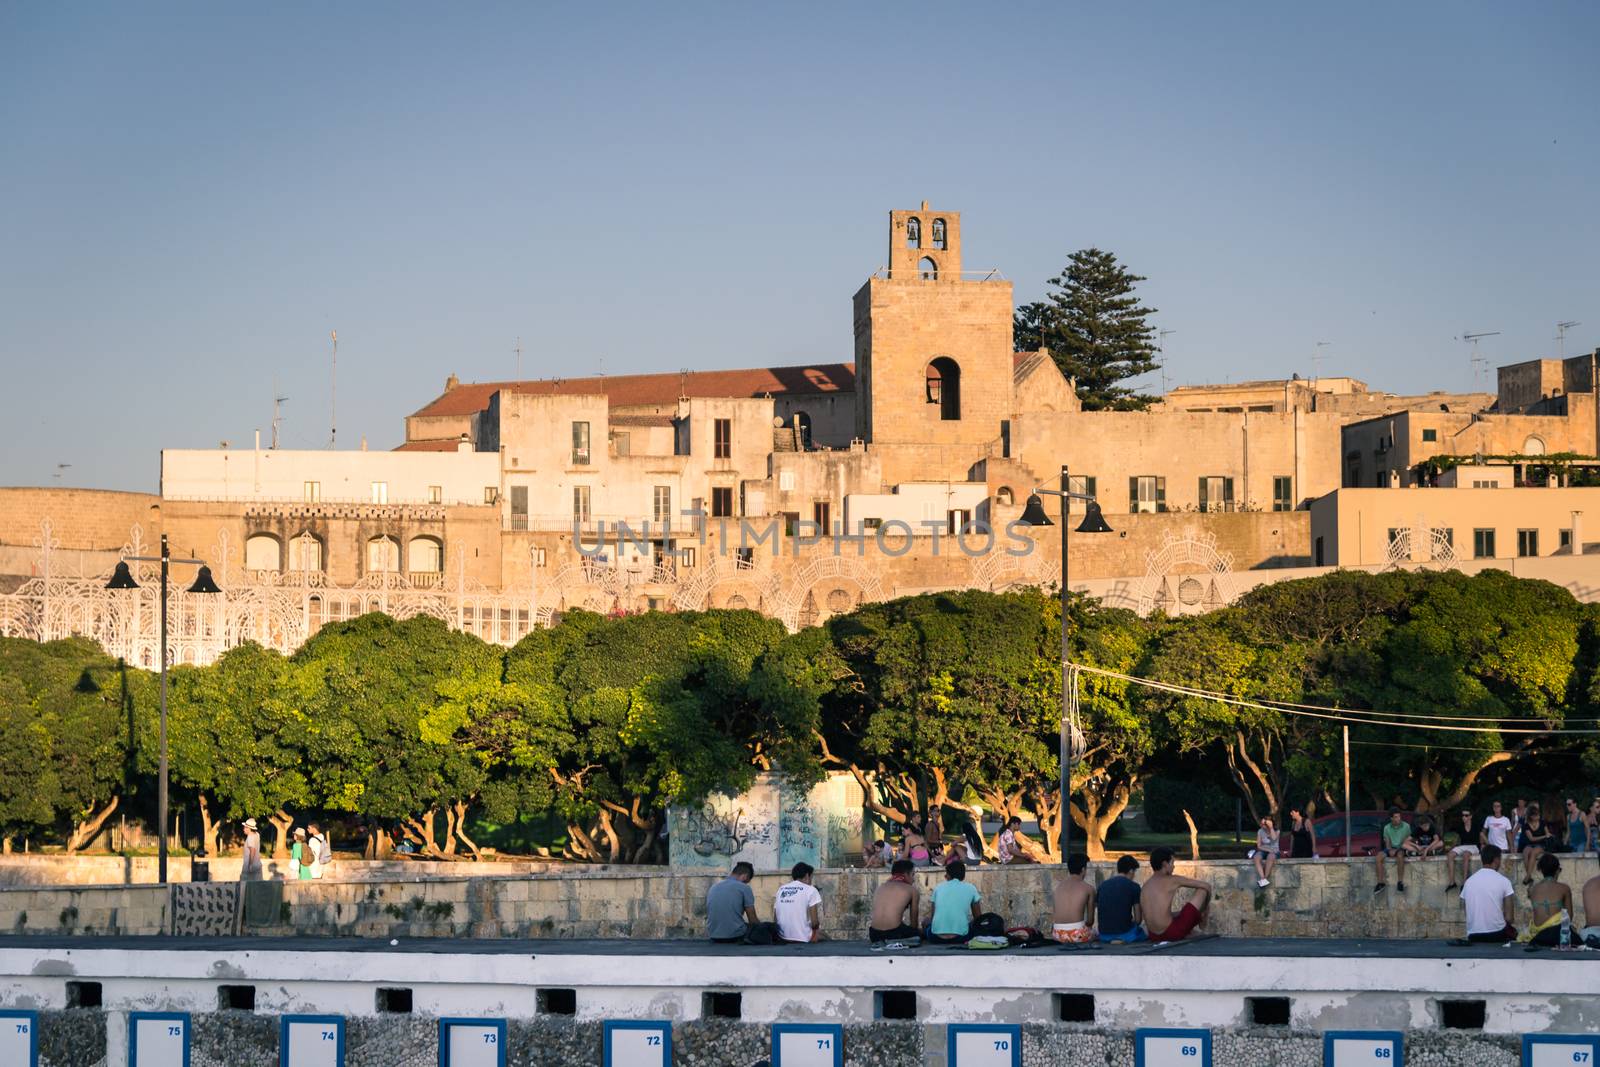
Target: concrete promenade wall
x,y
1308,899
58,869
78,1038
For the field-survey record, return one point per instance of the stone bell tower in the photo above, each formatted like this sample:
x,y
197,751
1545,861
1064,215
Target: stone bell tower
x,y
933,350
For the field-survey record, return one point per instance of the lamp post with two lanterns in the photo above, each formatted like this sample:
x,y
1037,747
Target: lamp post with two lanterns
x,y
122,578
1071,736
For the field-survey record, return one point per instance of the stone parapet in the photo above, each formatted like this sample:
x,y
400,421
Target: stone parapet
x,y
1308,898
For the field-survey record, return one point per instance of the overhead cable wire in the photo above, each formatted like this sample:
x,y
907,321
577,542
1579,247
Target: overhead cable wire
x,y
1328,714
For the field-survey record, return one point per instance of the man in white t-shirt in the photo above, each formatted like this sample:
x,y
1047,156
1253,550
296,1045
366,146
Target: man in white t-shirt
x,y
798,906
1497,829
1489,899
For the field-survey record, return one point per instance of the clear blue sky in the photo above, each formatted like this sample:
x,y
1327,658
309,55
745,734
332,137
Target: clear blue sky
x,y
190,201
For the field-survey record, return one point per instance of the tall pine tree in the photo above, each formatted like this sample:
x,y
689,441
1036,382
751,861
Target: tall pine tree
x,y
1095,328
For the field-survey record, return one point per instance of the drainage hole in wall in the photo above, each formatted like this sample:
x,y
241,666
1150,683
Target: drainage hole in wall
x,y
722,1005
1268,1011
83,995
394,1001
236,998
894,1004
1461,1014
558,1002
1075,1007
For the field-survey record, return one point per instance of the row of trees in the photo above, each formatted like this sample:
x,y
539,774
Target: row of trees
x,y
941,702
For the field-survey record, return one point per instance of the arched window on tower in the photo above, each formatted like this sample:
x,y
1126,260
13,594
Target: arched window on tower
x,y
928,269
263,552
938,234
426,555
944,387
913,233
383,555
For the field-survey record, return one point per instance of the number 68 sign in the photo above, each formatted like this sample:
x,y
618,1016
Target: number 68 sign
x,y
1154,1047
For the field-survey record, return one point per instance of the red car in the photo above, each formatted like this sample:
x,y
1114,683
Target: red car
x,y
1366,827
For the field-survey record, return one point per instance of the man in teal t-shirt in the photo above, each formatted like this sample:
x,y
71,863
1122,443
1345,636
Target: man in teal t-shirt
x,y
1396,843
955,906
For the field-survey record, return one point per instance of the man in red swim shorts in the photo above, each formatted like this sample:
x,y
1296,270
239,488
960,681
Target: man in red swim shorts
x,y
1156,899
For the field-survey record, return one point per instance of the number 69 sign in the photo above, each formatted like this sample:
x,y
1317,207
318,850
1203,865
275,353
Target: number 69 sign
x,y
1155,1047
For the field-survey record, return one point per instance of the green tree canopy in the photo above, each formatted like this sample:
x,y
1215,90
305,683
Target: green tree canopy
x,y
1096,329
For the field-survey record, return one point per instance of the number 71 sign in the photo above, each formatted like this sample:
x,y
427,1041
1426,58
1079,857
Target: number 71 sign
x,y
807,1045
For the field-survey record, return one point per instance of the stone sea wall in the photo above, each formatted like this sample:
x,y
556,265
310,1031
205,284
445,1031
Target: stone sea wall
x,y
1307,899
89,1038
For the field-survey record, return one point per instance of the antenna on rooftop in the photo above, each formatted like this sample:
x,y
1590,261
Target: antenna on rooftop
x,y
1161,347
1561,334
277,415
333,395
1477,360
1316,361
518,351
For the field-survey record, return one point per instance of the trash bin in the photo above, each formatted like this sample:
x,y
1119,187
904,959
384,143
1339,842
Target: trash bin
x,y
199,867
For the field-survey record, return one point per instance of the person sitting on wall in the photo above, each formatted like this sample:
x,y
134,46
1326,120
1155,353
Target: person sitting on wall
x,y
1116,904
1160,893
873,854
1467,846
914,844
731,906
1533,842
1301,844
1265,854
1013,845
894,905
1550,900
955,907
1395,846
1489,900
1590,934
1425,840
1072,905
798,907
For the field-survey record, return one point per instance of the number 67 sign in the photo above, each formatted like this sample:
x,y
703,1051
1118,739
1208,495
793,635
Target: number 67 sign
x,y
1560,1050
985,1045
1154,1047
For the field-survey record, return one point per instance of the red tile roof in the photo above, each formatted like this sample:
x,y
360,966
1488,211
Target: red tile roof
x,y
637,390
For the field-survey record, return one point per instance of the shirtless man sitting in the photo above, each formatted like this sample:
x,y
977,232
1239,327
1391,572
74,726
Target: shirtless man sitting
x,y
1157,897
894,900
1590,934
1073,910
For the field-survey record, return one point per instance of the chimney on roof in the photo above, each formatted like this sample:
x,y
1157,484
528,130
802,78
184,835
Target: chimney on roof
x,y
464,445
451,382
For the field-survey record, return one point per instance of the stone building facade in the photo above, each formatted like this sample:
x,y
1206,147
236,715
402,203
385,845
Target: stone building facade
x,y
799,491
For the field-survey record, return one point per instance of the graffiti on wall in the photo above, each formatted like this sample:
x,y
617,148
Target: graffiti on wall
x,y
772,826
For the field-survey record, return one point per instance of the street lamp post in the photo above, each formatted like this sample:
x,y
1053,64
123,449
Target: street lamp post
x,y
1093,522
122,578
